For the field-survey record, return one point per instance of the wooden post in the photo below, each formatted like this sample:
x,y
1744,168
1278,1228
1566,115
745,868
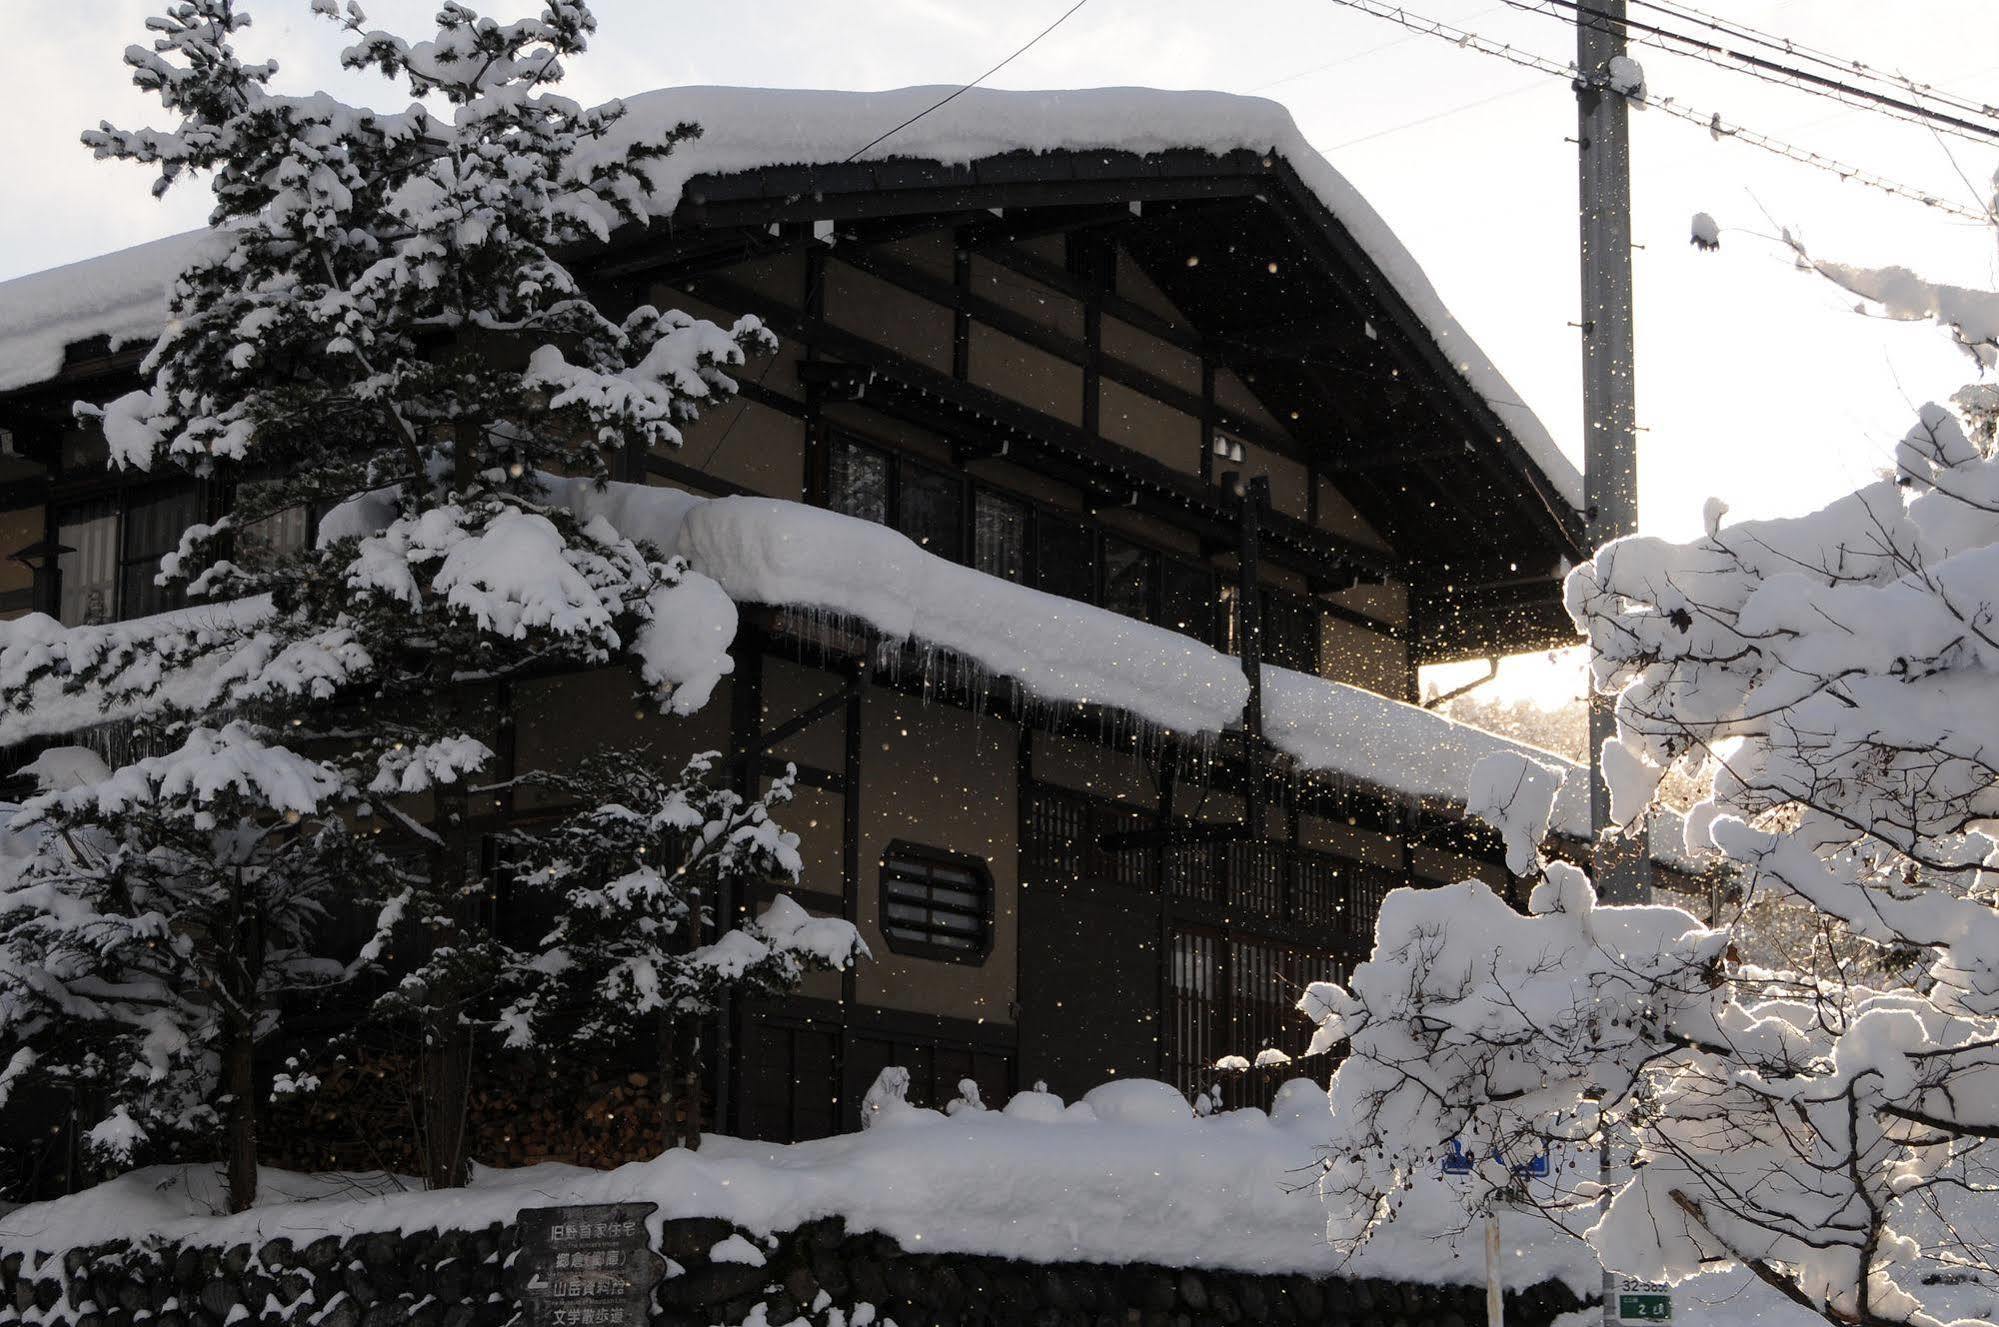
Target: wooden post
x,y
1249,598
1495,1288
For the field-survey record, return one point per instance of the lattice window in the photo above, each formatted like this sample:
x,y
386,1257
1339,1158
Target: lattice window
x,y
999,536
936,904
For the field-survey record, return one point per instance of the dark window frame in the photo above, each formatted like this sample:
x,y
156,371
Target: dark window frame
x,y
920,854
1037,511
128,563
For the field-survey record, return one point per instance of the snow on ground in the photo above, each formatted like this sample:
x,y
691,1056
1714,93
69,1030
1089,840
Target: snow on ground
x,y
747,129
1027,1183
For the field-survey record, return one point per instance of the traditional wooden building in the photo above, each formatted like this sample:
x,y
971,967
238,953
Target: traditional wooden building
x,y
1120,357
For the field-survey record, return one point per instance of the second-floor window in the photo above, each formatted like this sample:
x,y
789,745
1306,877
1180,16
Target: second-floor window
x,y
116,543
1004,535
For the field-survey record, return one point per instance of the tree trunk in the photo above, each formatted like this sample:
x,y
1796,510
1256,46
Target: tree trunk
x,y
669,1080
240,1073
690,1083
447,1084
446,1052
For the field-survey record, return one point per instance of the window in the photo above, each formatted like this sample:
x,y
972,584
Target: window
x,y
932,511
89,571
1290,632
115,544
936,904
280,534
1128,575
1062,558
857,481
1187,599
999,536
154,523
945,513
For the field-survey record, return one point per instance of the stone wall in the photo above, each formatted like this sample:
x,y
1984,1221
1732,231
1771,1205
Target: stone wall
x,y
819,1272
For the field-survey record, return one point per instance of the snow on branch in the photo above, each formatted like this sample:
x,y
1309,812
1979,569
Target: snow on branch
x,y
1836,675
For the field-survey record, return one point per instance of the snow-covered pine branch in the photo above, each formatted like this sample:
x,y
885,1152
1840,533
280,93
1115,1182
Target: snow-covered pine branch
x,y
382,316
635,879
155,917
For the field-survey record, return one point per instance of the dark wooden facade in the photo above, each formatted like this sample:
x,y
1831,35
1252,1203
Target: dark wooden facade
x,y
1041,365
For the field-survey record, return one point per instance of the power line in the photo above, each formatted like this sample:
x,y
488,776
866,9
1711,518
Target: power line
x,y
1770,71
1711,121
1439,115
1741,31
1361,55
820,278
975,82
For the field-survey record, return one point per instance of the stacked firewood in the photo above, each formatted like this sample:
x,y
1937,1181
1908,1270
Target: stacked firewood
x,y
361,1117
603,1124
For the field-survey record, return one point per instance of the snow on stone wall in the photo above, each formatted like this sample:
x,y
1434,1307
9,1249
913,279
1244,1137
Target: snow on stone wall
x,y
1067,1187
746,129
820,1274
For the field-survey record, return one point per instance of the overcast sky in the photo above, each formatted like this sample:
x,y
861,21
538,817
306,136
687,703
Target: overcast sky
x,y
1757,383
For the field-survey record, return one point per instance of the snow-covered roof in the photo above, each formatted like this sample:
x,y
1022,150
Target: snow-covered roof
x,y
747,129
119,295
786,554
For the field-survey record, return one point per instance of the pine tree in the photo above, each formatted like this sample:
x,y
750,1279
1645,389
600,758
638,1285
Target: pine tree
x,y
381,320
172,907
636,878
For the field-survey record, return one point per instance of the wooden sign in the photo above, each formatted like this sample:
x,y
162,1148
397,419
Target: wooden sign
x,y
586,1266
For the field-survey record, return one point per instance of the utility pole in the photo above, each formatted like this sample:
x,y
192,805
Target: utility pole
x,y
1610,435
1610,414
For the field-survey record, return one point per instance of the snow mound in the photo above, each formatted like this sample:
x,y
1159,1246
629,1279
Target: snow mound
x,y
1139,1101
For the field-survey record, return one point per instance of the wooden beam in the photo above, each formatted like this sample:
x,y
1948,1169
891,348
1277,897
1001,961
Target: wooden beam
x,y
913,280
1294,543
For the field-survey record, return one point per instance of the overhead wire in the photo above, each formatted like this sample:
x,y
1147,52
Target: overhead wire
x,y
1360,55
873,143
1018,52
1438,115
1769,71
1713,122
1740,31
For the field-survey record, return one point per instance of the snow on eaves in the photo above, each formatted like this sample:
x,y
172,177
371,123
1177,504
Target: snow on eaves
x,y
1420,753
36,647
762,550
785,554
747,129
120,295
